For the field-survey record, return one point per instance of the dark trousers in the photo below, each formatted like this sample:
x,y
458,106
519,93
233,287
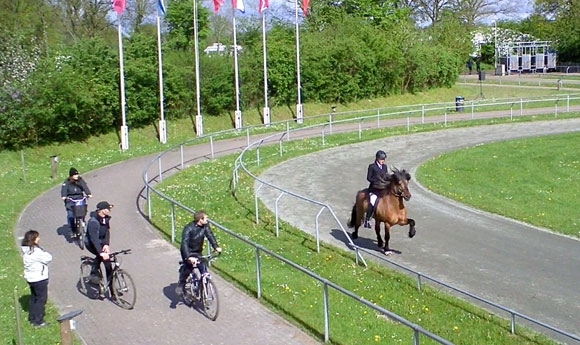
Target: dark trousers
x,y
38,297
70,217
186,269
107,263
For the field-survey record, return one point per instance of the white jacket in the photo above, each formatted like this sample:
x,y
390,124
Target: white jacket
x,y
35,263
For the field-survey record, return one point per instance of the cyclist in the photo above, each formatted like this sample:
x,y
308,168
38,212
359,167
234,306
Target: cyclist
x,y
377,175
98,237
74,187
192,241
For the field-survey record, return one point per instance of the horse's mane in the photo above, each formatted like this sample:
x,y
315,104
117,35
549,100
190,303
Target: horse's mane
x,y
399,175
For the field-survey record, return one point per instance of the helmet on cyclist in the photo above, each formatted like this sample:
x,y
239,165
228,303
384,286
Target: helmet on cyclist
x,y
381,155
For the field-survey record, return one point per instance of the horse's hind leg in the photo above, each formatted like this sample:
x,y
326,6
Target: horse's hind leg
x,y
411,227
378,232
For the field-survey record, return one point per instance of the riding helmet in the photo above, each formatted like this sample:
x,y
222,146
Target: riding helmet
x,y
381,155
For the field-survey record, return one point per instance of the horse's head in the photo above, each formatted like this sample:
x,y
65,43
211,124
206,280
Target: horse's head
x,y
399,185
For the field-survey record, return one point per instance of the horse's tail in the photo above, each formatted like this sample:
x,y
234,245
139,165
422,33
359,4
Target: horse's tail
x,y
352,221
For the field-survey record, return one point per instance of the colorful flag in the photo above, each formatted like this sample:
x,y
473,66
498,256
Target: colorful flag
x,y
263,5
217,4
160,8
119,6
239,5
305,6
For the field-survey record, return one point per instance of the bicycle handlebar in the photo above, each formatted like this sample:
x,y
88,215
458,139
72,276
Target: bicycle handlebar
x,y
124,251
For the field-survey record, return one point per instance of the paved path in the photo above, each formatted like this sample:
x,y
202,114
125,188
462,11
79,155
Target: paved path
x,y
156,318
525,268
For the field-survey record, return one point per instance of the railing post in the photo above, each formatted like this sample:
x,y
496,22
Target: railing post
x,y
248,136
513,323
211,146
512,112
287,131
445,119
472,109
330,123
17,312
172,223
160,169
415,336
181,155
326,314
419,282
521,107
258,274
258,156
277,215
422,114
408,124
568,103
318,229
556,109
322,136
256,201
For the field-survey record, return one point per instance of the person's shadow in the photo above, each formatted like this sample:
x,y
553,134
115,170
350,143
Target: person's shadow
x,y
173,297
66,232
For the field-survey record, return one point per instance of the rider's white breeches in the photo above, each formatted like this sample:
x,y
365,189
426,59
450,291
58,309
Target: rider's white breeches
x,y
373,198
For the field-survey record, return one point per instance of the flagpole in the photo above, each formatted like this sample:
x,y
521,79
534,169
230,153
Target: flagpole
x,y
299,115
238,113
162,125
124,127
198,117
266,108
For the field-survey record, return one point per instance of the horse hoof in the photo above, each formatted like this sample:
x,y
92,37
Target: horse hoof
x,y
353,236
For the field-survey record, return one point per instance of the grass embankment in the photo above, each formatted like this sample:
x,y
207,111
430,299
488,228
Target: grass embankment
x,y
27,174
298,297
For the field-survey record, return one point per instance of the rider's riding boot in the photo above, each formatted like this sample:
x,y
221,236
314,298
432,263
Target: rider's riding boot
x,y
368,216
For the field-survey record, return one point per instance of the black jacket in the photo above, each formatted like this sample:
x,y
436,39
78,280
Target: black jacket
x,y
73,189
377,175
98,233
192,240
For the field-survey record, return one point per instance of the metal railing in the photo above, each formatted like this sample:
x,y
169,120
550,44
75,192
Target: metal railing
x,y
406,118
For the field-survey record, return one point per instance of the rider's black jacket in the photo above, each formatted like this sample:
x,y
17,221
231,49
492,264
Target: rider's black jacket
x,y
98,233
377,175
74,190
192,240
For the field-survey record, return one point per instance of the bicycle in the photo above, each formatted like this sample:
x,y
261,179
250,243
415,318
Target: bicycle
x,y
123,289
200,288
79,212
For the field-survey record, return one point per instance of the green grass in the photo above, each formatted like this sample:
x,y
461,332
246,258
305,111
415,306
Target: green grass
x,y
297,296
21,183
534,180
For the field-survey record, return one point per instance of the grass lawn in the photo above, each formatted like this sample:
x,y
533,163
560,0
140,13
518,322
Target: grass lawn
x,y
534,180
27,174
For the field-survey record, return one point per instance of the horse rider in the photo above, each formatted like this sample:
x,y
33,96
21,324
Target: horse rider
x,y
377,175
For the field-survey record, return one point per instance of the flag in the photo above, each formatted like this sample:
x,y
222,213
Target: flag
x,y
238,5
119,6
263,5
305,6
160,8
216,5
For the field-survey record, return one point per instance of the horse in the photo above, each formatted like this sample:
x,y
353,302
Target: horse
x,y
389,208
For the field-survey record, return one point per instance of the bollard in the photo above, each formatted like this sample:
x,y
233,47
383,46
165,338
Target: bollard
x,y
54,166
64,322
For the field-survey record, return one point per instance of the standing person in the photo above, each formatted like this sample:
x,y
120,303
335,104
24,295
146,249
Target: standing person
x,y
377,175
98,238
36,262
192,241
74,187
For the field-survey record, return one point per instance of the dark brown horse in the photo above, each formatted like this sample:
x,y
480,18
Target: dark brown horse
x,y
389,208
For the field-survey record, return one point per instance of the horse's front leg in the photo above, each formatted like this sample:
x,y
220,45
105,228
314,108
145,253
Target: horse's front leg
x,y
411,227
378,232
387,238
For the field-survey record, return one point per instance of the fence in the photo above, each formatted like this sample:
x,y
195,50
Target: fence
x,y
406,116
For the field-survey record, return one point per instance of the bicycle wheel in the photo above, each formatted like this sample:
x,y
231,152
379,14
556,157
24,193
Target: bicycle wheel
x,y
81,235
86,267
124,292
210,301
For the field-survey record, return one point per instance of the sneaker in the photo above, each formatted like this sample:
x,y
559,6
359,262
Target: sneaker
x,y
40,325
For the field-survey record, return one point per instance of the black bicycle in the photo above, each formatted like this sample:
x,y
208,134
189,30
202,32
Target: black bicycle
x,y
200,292
80,212
95,285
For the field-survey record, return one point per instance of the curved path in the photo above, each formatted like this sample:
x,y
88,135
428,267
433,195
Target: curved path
x,y
519,266
157,318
